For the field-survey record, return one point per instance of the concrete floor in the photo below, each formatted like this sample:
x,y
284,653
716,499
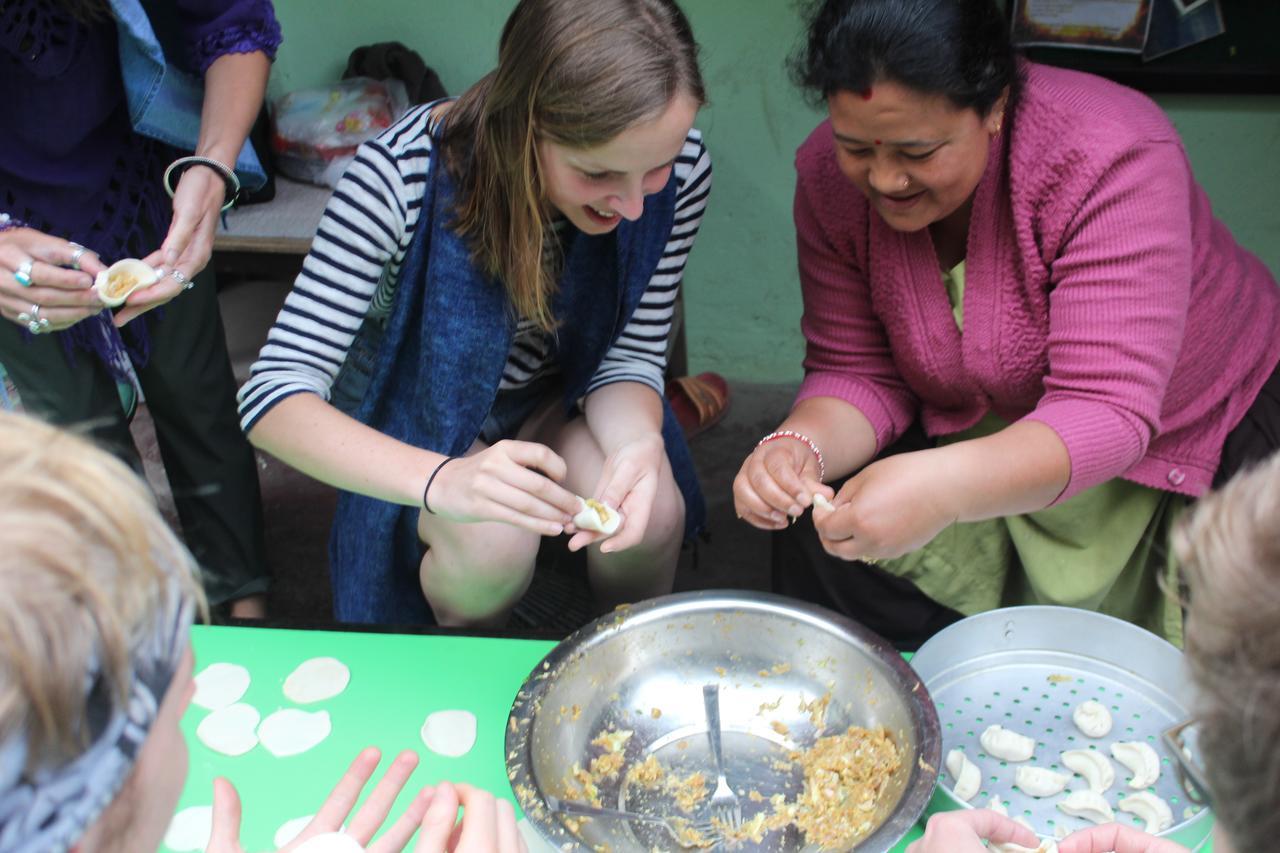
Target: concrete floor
x,y
298,509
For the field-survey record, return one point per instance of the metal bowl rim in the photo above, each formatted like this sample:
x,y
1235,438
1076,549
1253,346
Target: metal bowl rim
x,y
923,776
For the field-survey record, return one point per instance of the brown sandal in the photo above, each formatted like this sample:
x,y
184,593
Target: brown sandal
x,y
699,402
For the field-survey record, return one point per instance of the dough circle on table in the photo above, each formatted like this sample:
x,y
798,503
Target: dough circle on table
x,y
231,730
450,733
291,731
1092,719
315,680
219,685
330,842
290,830
535,842
190,829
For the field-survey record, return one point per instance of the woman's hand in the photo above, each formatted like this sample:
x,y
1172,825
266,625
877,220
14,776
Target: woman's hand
x,y
964,831
197,201
488,823
777,480
629,482
1116,838
515,482
64,296
225,837
892,506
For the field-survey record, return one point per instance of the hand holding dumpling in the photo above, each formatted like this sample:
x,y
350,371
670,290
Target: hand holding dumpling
x,y
628,484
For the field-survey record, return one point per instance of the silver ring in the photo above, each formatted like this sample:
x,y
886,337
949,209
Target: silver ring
x,y
23,273
180,277
77,251
35,323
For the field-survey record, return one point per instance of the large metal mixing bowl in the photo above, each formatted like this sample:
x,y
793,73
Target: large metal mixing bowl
x,y
642,669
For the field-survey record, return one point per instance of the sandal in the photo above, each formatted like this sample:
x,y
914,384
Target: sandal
x,y
699,402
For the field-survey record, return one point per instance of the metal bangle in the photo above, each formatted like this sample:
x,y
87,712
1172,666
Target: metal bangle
x,y
227,174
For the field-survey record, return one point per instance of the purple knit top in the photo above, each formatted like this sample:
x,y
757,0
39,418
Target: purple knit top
x,y
70,163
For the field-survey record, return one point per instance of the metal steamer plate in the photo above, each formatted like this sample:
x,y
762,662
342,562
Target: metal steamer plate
x,y
1026,669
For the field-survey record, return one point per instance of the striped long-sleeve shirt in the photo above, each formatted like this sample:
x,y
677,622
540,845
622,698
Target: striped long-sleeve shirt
x,y
355,259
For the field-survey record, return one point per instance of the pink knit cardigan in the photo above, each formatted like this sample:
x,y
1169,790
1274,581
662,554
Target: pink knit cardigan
x,y
1102,297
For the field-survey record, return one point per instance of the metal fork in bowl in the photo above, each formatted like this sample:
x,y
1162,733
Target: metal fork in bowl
x,y
724,802
687,833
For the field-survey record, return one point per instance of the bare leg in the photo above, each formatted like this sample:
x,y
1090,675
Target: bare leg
x,y
473,574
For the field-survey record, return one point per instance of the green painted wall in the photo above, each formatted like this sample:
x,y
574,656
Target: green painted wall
x,y
741,296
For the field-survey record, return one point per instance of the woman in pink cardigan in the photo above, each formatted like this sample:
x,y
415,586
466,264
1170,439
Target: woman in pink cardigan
x,y
1028,339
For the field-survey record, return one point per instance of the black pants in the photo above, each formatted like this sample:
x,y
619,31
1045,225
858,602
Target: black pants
x,y
190,393
894,608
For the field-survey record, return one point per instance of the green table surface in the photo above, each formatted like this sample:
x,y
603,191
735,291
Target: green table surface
x,y
396,681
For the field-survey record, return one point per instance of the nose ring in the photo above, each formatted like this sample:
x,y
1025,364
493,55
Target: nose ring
x,y
906,182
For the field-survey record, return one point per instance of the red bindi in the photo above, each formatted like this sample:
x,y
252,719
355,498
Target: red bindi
x,y
876,141
866,94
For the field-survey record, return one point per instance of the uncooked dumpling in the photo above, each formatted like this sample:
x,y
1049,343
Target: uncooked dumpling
x,y
1088,805
1040,781
116,282
290,731
330,842
968,779
1150,809
1045,845
1092,719
450,733
190,829
316,680
1140,759
820,502
231,730
290,829
598,516
1007,745
219,685
1094,767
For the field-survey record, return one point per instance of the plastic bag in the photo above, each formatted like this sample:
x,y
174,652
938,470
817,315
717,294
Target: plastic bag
x,y
317,131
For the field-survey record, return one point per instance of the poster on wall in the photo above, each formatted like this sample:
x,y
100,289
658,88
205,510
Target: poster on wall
x,y
1110,25
1176,24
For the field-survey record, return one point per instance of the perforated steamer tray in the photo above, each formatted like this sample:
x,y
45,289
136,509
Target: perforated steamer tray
x,y
1027,668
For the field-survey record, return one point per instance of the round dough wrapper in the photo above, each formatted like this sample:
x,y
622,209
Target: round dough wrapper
x,y
450,733
535,842
316,680
330,842
190,829
231,730
290,829
290,731
219,685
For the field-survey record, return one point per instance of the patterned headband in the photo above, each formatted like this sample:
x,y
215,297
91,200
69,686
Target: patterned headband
x,y
51,808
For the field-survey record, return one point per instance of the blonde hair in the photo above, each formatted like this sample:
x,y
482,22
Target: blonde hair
x,y
571,72
1230,551
85,561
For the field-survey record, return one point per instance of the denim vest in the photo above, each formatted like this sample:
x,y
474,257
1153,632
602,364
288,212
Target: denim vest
x,y
439,366
165,101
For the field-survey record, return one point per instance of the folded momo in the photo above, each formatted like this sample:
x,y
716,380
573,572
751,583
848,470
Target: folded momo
x,y
1040,781
965,773
1007,745
1150,809
597,516
116,282
1140,760
1088,805
1093,766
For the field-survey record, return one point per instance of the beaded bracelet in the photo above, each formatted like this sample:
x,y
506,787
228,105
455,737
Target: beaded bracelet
x,y
8,223
803,439
431,480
